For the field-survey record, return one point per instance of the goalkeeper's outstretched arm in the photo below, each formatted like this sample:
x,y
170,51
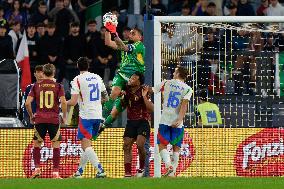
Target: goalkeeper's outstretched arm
x,y
109,42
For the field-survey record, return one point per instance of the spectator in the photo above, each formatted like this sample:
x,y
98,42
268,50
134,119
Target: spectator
x,y
275,9
185,10
40,29
62,17
157,8
3,21
32,40
245,9
232,8
41,14
50,49
16,14
135,19
200,8
211,9
16,35
103,56
229,3
262,9
91,36
6,44
74,48
207,113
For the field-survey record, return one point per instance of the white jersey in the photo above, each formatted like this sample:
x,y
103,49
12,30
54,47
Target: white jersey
x,y
89,87
173,91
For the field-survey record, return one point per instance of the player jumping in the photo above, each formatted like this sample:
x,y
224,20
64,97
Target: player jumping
x,y
132,60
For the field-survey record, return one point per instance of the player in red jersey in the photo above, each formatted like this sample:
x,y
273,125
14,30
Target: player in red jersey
x,y
139,107
47,94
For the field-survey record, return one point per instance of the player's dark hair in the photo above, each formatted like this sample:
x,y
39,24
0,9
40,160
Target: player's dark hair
x,y
182,72
75,24
39,68
51,25
139,31
41,3
91,22
83,64
141,77
49,70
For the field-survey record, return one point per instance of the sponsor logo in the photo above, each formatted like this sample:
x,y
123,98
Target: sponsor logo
x,y
261,154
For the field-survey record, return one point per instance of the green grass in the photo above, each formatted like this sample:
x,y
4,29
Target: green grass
x,y
145,183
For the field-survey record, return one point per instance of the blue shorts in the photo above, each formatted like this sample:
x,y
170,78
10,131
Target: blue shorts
x,y
168,134
88,128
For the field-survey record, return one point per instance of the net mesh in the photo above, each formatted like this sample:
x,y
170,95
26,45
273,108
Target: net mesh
x,y
241,67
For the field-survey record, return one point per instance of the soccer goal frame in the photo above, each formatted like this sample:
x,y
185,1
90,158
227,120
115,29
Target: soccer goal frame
x,y
158,59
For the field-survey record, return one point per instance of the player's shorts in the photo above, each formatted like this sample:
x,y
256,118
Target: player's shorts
x,y
88,128
42,128
137,127
119,81
168,134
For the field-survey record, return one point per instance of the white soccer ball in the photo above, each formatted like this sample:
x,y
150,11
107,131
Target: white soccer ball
x,y
109,17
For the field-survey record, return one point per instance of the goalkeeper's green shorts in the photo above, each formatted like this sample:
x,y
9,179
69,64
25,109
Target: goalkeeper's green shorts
x,y
120,81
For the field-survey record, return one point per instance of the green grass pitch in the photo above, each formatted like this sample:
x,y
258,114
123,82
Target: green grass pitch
x,y
145,183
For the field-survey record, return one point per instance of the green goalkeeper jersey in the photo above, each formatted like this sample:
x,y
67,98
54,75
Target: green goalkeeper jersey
x,y
132,60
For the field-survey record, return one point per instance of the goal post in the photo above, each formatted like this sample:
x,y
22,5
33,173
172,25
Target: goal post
x,y
157,21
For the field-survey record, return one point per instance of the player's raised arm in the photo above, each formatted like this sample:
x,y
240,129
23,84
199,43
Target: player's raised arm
x,y
109,42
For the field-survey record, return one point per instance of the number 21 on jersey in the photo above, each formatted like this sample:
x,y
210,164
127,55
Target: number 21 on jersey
x,y
94,92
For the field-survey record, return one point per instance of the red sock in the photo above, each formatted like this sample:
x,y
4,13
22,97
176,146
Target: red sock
x,y
127,168
141,164
36,156
56,159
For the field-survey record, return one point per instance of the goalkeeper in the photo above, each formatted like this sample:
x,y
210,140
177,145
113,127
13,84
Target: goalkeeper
x,y
132,60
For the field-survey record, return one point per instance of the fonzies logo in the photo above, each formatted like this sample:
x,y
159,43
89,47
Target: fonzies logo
x,y
70,151
262,154
185,158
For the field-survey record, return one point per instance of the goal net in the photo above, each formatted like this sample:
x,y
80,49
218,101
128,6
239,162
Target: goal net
x,y
239,62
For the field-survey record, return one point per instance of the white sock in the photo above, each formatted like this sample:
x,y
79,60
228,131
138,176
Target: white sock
x,y
91,154
166,157
83,162
175,160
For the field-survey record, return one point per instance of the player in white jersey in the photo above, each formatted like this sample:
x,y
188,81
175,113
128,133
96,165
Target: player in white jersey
x,y
88,90
176,95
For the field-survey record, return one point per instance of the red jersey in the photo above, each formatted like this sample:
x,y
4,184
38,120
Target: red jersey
x,y
136,108
47,94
